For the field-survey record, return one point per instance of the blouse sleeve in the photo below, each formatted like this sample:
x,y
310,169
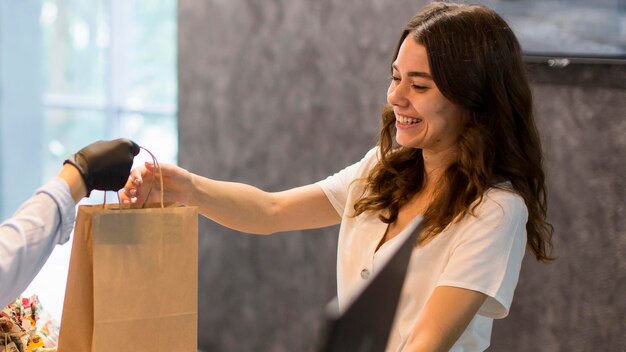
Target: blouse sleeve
x,y
336,187
488,251
30,235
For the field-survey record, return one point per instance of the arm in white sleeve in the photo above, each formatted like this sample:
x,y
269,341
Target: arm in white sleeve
x,y
28,238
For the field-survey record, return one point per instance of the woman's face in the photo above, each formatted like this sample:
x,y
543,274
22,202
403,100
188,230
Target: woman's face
x,y
424,117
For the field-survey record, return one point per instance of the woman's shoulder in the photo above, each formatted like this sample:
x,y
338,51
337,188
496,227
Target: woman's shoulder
x,y
368,162
372,155
502,196
498,217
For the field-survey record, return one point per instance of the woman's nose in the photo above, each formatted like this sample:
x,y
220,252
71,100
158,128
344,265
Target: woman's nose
x,y
396,95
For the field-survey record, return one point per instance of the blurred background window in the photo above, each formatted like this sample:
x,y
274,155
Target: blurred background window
x,y
73,72
109,71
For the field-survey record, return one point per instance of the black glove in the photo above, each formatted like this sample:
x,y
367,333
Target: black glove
x,y
105,165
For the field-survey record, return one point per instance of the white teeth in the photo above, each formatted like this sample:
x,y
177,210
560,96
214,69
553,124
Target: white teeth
x,y
407,120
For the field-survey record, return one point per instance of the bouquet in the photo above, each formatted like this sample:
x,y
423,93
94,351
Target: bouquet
x,y
26,327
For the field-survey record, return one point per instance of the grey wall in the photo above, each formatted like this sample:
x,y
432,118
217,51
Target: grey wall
x,y
578,302
276,94
282,93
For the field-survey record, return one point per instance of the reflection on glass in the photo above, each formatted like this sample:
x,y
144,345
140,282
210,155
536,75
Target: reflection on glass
x,y
65,132
109,71
157,133
576,28
153,55
72,62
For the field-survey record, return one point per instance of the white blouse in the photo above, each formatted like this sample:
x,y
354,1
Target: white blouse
x,y
481,253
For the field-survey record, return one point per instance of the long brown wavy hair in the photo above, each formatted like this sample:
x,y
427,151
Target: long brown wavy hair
x,y
476,62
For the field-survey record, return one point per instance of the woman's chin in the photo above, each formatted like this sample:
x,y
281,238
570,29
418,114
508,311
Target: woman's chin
x,y
406,143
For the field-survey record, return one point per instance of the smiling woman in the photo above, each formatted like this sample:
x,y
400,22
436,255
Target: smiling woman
x,y
425,119
458,146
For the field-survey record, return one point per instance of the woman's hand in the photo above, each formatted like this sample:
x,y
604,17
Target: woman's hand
x,y
145,182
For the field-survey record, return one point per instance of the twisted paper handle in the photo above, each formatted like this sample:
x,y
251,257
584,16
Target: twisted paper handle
x,y
158,166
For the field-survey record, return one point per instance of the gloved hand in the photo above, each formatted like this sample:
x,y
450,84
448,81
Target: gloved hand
x,y
105,165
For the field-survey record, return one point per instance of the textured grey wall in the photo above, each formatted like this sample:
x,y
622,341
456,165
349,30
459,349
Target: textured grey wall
x,y
578,302
276,94
282,93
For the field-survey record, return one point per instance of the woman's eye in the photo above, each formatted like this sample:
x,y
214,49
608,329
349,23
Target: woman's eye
x,y
418,87
394,78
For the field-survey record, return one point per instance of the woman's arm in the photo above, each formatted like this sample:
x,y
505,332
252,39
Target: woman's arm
x,y
249,209
238,206
444,318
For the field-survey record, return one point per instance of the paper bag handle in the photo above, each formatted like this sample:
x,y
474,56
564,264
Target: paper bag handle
x,y
158,166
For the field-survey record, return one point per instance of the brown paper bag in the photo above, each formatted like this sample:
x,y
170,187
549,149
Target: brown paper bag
x,y
132,282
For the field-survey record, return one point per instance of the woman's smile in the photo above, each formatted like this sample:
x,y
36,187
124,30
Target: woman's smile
x,y
405,122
